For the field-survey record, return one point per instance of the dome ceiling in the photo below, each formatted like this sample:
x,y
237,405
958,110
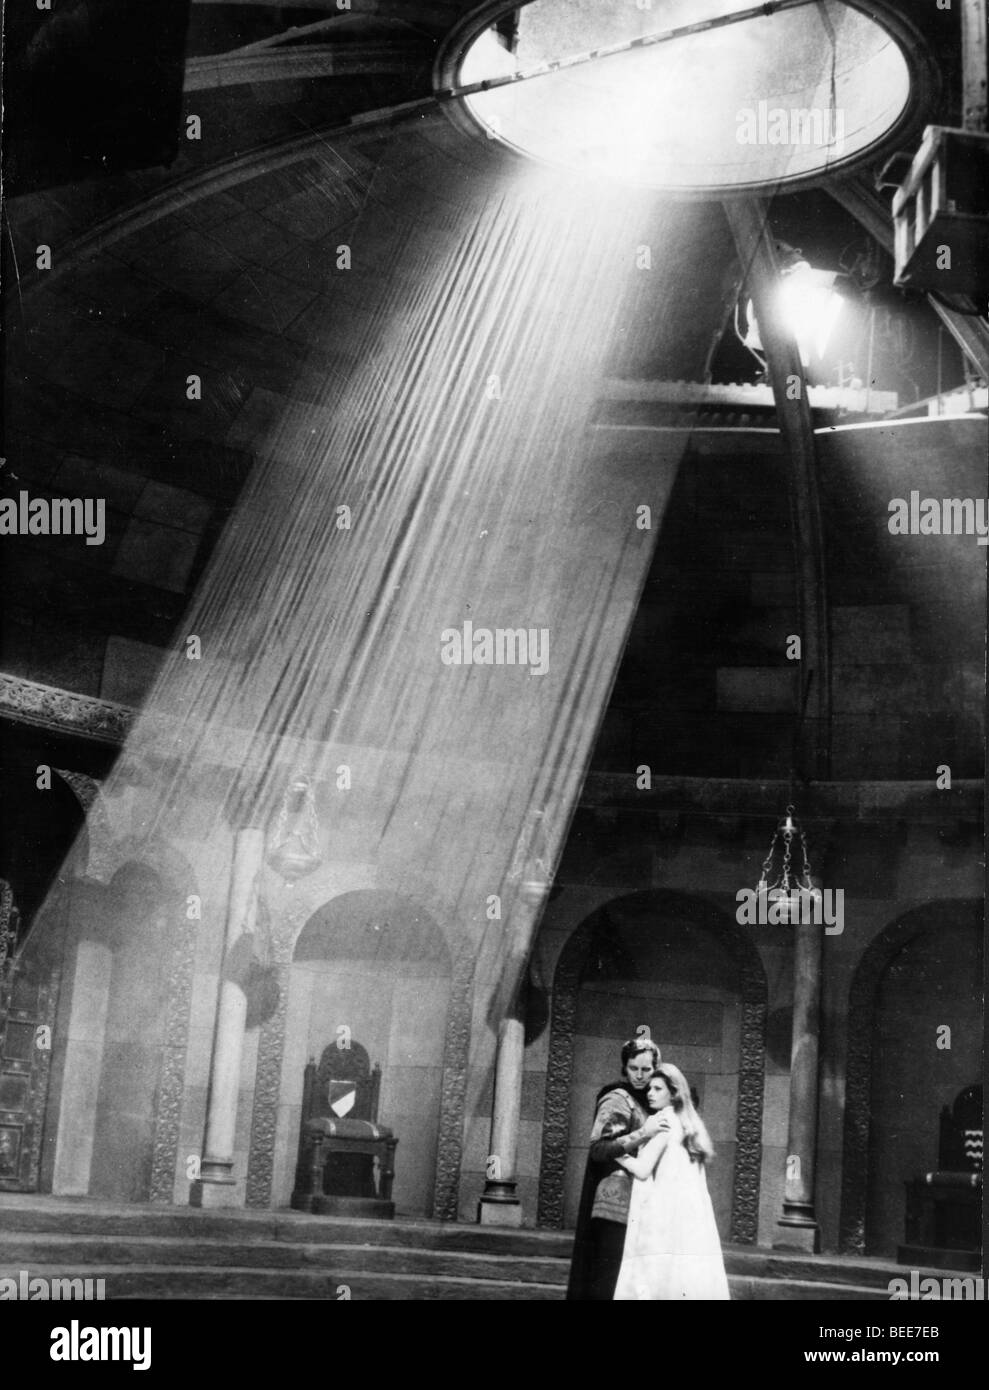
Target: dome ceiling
x,y
225,267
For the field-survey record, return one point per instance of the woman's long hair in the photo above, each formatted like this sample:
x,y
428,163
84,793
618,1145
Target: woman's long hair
x,y
695,1134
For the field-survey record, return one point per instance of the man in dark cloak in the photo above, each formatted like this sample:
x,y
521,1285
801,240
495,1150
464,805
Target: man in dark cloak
x,y
621,1125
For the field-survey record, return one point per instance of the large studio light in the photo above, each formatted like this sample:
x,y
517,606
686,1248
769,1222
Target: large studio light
x,y
751,97
808,305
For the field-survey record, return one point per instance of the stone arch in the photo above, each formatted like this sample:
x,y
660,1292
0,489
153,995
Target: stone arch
x,y
404,935
570,971
360,922
147,883
95,828
857,1129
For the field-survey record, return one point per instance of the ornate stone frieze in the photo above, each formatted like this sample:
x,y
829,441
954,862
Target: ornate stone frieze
x,y
171,1072
268,1075
48,707
86,789
456,1053
267,1085
8,926
559,1078
744,1228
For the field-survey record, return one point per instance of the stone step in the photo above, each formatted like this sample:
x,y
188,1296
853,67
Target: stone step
x,y
30,1251
746,1289
136,1281
106,1220
233,1282
817,1269
97,1236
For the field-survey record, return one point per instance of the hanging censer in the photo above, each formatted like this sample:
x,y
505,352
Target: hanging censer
x,y
794,891
531,865
295,839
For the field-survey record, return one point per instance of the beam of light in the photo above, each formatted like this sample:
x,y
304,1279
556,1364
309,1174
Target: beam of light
x,y
459,438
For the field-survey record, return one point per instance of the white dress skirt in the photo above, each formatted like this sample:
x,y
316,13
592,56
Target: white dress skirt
x,y
672,1248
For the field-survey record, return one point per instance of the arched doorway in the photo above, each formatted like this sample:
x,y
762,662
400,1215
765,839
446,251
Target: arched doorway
x,y
922,972
684,969
112,1128
378,965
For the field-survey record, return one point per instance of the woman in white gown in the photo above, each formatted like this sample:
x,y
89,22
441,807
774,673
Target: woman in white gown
x,y
672,1249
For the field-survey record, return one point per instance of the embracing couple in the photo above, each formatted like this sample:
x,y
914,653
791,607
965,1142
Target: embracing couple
x,y
646,1227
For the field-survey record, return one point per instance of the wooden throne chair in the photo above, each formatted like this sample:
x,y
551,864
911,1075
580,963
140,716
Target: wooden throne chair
x,y
340,1141
944,1209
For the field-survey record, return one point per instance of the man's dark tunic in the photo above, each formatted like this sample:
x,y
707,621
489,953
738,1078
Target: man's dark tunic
x,y
600,1235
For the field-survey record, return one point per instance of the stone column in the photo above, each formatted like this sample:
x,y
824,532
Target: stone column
x,y
797,1227
84,1042
216,1185
499,1204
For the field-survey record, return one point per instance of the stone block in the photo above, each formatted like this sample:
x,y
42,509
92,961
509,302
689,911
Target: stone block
x,y
596,1057
192,263
158,556
720,1184
719,1105
771,1191
77,1120
480,1090
471,1187
870,636
576,1166
202,1017
410,1091
477,1137
755,689
65,654
82,477
869,741
731,1036
882,690
529,1149
533,1095
617,1014
776,1111
173,507
286,1154
129,670
104,366
254,240
582,1098
415,1164
263,300
419,1009
90,994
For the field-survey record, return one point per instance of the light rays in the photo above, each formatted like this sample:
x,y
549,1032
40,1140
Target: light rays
x,y
460,443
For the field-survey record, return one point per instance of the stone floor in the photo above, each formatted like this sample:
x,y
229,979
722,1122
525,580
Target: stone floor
x,y
144,1251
